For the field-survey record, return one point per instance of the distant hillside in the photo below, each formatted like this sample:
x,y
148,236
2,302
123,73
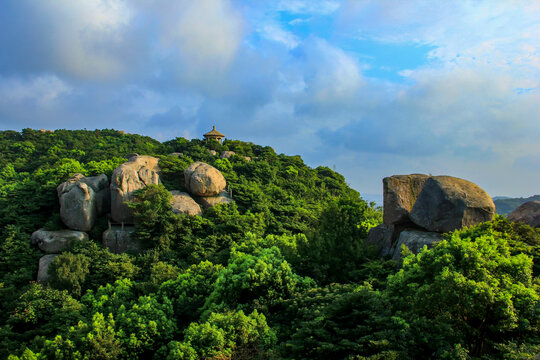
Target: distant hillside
x,y
505,205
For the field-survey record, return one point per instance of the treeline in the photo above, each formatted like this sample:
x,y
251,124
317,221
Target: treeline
x,y
283,273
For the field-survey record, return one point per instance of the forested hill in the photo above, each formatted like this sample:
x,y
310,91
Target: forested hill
x,y
283,272
506,205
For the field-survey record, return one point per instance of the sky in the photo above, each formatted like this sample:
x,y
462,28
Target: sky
x,y
369,88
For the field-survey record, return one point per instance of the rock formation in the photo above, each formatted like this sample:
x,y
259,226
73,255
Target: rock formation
x,y
133,175
399,195
82,199
209,201
418,208
448,203
182,203
527,213
43,269
120,239
415,240
54,242
202,179
227,154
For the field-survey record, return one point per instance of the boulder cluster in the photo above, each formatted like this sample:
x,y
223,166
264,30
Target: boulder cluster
x,y
418,208
527,213
84,199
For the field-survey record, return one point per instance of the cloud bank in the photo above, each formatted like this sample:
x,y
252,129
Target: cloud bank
x,y
301,76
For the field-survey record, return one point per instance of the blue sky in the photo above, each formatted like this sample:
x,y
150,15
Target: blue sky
x,y
371,88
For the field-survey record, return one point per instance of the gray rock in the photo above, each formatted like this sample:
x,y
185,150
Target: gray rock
x,y
210,201
43,270
202,179
177,154
54,242
182,203
129,156
227,154
448,203
399,195
82,199
213,152
381,237
120,239
415,241
133,175
527,213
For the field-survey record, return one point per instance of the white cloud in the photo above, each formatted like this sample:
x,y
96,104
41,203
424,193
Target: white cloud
x,y
315,7
276,33
42,91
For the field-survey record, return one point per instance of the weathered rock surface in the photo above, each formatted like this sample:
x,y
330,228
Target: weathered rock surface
x,y
227,154
399,195
213,152
54,242
381,237
133,175
209,201
82,199
448,203
202,179
415,241
527,213
44,262
119,240
177,154
182,203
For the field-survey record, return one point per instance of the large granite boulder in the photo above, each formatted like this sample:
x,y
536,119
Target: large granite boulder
x,y
227,154
527,213
182,203
82,199
381,238
447,203
210,201
43,269
399,195
133,175
120,239
54,242
415,241
202,179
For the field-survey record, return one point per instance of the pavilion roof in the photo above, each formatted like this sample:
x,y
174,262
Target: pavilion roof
x,y
214,132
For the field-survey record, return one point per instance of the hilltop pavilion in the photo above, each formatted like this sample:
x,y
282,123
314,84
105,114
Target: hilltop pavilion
x,y
214,134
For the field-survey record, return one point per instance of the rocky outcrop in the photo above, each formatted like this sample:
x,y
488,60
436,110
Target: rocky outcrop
x,y
381,238
415,240
133,175
43,269
399,195
448,203
527,213
213,152
177,154
82,199
120,239
210,201
419,208
227,154
182,203
204,180
54,242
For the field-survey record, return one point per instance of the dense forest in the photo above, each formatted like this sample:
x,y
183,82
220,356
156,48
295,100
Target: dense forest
x,y
281,273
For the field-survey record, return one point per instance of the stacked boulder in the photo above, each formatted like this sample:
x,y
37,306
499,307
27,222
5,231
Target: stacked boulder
x,y
82,199
206,184
418,208
135,174
53,243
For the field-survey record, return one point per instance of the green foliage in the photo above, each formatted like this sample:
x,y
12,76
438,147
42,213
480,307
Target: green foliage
x,y
472,293
260,282
68,271
230,335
